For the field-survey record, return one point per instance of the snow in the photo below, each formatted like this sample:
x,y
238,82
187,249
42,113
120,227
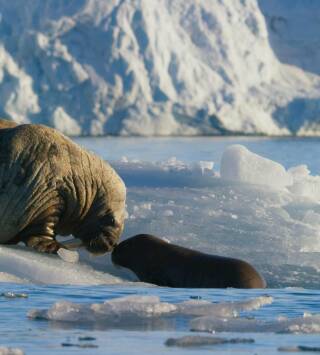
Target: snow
x,y
272,223
20,264
239,164
162,68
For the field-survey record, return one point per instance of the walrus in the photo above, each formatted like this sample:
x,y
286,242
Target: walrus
x,y
49,185
156,261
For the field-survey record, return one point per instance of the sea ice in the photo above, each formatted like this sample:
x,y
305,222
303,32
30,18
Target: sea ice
x,y
114,310
224,309
10,351
197,340
239,164
122,309
274,228
30,266
306,324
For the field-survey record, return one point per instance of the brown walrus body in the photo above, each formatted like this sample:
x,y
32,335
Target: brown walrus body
x,y
49,185
155,261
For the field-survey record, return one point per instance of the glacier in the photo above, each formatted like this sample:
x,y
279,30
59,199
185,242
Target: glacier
x,y
141,67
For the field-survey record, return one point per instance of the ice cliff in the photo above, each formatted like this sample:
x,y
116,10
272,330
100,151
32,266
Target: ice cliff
x,y
162,67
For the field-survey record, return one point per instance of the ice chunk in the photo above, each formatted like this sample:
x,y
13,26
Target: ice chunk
x,y
305,324
307,187
299,172
114,310
136,307
239,164
10,351
197,340
224,309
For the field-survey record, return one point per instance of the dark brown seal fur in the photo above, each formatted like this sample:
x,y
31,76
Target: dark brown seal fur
x,y
155,261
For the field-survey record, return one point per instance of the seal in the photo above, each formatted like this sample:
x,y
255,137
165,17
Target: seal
x,y
158,262
49,185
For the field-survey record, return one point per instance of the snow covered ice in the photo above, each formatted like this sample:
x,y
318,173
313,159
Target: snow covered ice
x,y
121,310
239,164
220,317
306,324
253,209
20,264
162,67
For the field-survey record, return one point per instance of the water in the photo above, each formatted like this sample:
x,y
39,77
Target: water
x,y
40,336
287,151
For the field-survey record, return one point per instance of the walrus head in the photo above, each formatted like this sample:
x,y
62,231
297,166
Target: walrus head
x,y
102,224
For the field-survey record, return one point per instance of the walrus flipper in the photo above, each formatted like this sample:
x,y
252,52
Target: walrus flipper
x,y
44,244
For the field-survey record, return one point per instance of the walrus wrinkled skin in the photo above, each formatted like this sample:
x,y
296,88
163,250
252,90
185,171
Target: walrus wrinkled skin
x,y
49,185
155,261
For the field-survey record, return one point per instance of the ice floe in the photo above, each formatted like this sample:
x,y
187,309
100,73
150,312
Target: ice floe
x,y
220,317
306,324
10,351
136,306
198,340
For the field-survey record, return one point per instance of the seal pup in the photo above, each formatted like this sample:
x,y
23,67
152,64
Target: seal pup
x,y
49,185
156,261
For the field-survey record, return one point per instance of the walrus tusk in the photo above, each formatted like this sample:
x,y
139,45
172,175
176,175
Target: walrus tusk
x,y
73,244
68,255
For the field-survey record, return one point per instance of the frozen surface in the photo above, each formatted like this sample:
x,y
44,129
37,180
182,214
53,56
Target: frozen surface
x,y
239,164
305,324
125,309
162,68
254,208
198,340
10,351
23,265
